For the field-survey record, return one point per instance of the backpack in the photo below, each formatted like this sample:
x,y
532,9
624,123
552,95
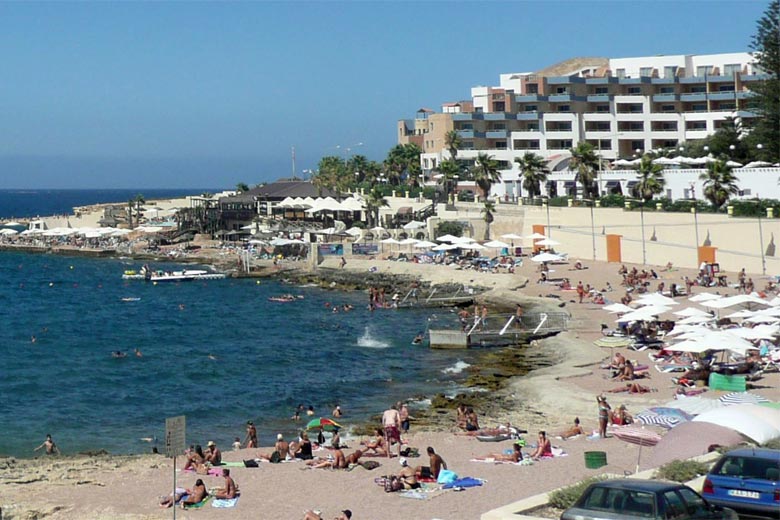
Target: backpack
x,y
276,457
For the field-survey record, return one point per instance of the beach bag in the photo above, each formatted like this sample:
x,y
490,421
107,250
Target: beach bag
x,y
370,464
276,457
250,463
446,477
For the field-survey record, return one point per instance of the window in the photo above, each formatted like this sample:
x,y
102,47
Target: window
x,y
727,106
562,90
621,73
674,505
703,70
602,90
637,145
670,72
646,72
532,88
564,108
531,108
533,127
634,90
695,505
667,108
605,144
731,69
500,145
697,89
699,107
666,90
728,87
696,125
602,108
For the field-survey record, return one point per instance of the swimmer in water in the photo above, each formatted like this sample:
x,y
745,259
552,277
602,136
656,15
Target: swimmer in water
x,y
137,353
118,354
418,338
212,357
181,306
33,339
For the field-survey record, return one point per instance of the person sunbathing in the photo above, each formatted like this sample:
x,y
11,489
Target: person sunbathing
x,y
354,457
573,431
281,450
336,460
194,495
628,372
543,448
230,490
632,388
195,459
378,445
407,476
621,416
516,455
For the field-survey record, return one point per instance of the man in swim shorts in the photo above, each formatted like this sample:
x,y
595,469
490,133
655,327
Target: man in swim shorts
x,y
391,420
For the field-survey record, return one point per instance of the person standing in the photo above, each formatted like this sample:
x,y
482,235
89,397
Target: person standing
x,y
51,447
343,262
404,413
580,291
251,435
391,422
604,411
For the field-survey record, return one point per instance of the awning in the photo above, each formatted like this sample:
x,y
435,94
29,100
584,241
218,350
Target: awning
x,y
569,184
404,210
612,184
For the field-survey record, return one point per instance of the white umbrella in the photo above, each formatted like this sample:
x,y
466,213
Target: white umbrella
x,y
473,246
733,164
446,238
512,236
546,257
414,224
12,223
730,301
354,231
496,244
695,405
462,240
8,232
774,302
445,247
617,307
703,297
664,160
546,242
535,236
744,313
639,315
693,320
757,164
759,318
691,311
424,244
378,230
256,242
655,299
408,241
759,332
390,240
742,420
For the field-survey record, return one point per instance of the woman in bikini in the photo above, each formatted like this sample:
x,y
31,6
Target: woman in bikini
x,y
604,410
543,449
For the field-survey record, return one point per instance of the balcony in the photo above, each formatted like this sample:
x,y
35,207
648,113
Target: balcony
x,y
526,98
528,116
745,94
721,96
606,80
498,116
634,81
691,97
464,116
693,79
470,134
497,134
721,79
564,80
665,97
598,98
663,81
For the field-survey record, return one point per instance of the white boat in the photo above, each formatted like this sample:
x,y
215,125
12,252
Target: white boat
x,y
172,276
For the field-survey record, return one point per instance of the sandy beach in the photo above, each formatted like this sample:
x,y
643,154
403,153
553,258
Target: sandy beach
x,y
129,487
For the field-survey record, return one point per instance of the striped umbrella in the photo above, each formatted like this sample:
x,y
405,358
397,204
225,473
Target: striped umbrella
x,y
651,418
636,435
742,398
672,412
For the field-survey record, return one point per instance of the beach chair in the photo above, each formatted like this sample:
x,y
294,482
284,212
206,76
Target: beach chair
x,y
771,361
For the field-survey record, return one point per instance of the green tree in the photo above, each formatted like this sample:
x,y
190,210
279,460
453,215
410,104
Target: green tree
x,y
651,179
766,101
138,201
485,173
358,166
331,174
453,142
374,200
533,172
585,162
403,163
241,187
720,183
449,170
488,211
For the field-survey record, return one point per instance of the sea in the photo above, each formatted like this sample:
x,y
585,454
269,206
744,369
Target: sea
x,y
218,352
30,203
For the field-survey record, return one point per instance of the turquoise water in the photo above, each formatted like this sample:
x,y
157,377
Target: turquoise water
x,y
269,356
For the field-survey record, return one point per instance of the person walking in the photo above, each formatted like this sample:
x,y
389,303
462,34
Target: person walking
x,y
604,411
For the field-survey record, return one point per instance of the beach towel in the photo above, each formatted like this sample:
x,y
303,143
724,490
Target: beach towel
x,y
232,464
224,502
728,383
199,504
214,472
465,482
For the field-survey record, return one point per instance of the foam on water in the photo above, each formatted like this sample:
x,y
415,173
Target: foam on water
x,y
367,340
457,368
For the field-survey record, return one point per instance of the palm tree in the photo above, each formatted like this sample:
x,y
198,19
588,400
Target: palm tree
x,y
651,179
130,204
585,161
488,210
241,187
719,183
374,200
358,166
453,142
449,170
139,201
485,172
533,171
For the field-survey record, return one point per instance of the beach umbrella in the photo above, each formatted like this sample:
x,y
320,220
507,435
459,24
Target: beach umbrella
x,y
762,318
734,398
496,243
740,418
730,301
408,241
744,313
323,423
655,299
536,236
689,439
414,224
379,231
671,412
638,315
733,164
691,311
547,242
446,238
7,231
473,246
654,419
703,297
636,435
694,405
758,332
694,320
617,307
462,240
424,244
444,247
757,164
546,257
512,236
354,231
390,240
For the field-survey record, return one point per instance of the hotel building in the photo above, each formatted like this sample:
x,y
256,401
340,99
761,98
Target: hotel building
x,y
622,106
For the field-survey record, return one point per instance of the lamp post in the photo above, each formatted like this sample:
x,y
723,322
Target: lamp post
x,y
695,217
546,202
642,225
761,236
592,203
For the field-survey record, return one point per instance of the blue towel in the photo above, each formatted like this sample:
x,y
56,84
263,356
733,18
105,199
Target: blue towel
x,y
224,502
464,482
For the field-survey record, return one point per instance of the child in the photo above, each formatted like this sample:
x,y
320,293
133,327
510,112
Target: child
x,y
236,444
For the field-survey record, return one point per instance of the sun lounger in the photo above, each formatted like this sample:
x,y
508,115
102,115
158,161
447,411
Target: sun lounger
x,y
727,383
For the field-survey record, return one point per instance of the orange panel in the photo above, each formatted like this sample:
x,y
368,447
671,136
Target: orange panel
x,y
707,254
538,228
613,248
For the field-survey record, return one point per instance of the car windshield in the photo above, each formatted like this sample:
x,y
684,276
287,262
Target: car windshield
x,y
622,501
747,467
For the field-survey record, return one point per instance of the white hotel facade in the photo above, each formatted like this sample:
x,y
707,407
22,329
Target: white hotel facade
x,y
622,106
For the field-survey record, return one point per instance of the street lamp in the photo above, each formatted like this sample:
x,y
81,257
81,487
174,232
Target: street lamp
x,y
592,203
695,218
761,235
546,202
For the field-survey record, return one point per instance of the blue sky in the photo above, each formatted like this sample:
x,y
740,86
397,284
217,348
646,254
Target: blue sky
x,y
188,95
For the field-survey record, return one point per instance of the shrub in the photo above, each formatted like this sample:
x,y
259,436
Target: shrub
x,y
774,444
681,470
565,497
449,227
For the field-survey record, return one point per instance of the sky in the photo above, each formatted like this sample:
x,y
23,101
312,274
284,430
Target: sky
x,y
210,94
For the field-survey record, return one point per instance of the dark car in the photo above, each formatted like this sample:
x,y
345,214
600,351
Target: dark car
x,y
634,498
747,480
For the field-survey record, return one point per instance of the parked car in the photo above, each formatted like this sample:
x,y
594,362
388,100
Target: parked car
x,y
634,498
747,480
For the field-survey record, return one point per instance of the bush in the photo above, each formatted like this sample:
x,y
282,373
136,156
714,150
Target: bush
x,y
681,470
449,227
774,444
613,201
564,498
